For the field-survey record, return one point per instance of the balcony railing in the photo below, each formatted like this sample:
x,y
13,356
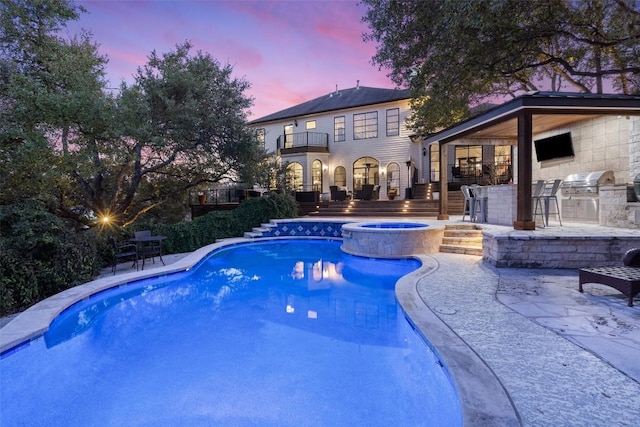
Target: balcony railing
x,y
303,142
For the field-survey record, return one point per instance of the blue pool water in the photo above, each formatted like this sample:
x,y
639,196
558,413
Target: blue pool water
x,y
286,333
394,225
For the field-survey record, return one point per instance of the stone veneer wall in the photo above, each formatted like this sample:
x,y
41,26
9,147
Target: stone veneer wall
x,y
524,250
615,211
501,204
634,148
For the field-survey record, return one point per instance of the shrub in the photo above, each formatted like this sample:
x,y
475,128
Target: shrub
x,y
40,255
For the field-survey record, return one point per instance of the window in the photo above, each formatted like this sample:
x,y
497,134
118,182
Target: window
x,y
316,175
434,163
311,124
260,135
340,176
365,171
288,136
294,178
338,129
365,125
501,173
468,162
393,122
393,179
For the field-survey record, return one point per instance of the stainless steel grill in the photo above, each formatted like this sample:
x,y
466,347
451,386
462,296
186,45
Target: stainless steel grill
x,y
586,183
580,193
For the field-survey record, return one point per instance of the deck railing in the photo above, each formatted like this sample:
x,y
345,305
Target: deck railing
x,y
304,140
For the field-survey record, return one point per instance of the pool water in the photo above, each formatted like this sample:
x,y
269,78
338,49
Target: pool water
x,y
285,333
394,225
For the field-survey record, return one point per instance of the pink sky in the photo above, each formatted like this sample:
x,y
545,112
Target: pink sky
x,y
290,51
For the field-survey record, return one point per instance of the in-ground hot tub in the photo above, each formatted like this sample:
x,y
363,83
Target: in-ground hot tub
x,y
391,239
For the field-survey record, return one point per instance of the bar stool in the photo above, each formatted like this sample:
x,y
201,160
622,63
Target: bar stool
x,y
538,201
480,195
548,195
469,203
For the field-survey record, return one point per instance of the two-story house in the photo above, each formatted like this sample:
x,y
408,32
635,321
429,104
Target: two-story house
x,y
347,138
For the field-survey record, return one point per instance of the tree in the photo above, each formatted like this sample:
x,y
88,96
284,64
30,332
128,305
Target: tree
x,y
181,124
89,155
453,53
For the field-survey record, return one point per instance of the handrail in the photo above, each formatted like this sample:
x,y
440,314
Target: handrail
x,y
303,139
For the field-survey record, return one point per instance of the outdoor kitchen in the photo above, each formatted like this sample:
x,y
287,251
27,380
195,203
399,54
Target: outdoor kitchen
x,y
581,195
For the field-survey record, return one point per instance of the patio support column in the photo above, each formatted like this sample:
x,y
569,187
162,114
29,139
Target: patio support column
x,y
444,193
524,215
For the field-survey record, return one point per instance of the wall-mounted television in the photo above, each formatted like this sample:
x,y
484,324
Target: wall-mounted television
x,y
554,147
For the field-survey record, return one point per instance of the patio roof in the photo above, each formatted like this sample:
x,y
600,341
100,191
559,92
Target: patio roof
x,y
550,110
521,118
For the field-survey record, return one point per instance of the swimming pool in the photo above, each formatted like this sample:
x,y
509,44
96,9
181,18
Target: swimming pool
x,y
269,333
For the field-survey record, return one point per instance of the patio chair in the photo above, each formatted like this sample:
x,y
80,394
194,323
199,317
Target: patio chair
x,y
624,278
123,252
468,208
336,194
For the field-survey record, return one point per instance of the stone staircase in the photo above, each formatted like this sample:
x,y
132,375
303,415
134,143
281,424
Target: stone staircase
x,y
463,239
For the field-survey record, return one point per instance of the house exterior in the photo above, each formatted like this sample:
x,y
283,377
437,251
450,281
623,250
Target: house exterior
x,y
358,136
346,138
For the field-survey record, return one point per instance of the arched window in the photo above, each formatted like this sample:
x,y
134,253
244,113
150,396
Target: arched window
x,y
294,179
340,176
365,171
316,175
393,178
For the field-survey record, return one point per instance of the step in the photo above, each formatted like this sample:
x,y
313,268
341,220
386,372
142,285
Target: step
x,y
463,250
462,233
462,241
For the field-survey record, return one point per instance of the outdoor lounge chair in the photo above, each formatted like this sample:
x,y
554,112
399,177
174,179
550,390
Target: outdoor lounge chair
x,y
625,278
336,194
366,193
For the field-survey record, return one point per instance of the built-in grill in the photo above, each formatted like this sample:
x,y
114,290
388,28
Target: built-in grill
x,y
580,193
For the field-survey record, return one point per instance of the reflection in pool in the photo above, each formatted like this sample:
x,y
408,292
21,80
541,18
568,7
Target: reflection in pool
x,y
270,333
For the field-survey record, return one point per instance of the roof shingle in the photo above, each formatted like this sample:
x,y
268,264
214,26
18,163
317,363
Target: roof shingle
x,y
338,100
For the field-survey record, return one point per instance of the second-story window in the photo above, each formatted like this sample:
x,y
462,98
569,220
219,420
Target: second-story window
x,y
365,125
311,124
393,122
260,135
338,129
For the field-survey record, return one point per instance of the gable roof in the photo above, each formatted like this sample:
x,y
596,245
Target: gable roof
x,y
338,100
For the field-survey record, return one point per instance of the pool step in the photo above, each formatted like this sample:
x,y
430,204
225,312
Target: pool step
x,y
463,239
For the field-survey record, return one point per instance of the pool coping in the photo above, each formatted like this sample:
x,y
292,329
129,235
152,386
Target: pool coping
x,y
484,400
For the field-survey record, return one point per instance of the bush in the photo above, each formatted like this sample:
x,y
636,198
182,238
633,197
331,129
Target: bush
x,y
204,230
40,255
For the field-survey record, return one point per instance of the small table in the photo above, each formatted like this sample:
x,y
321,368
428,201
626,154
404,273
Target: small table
x,y
149,240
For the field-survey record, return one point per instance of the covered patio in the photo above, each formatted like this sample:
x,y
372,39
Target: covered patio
x,y
518,121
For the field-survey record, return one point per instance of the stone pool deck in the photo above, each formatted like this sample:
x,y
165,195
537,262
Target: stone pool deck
x,y
565,358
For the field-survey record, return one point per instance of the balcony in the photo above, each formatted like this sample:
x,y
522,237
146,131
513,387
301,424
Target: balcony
x,y
303,142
